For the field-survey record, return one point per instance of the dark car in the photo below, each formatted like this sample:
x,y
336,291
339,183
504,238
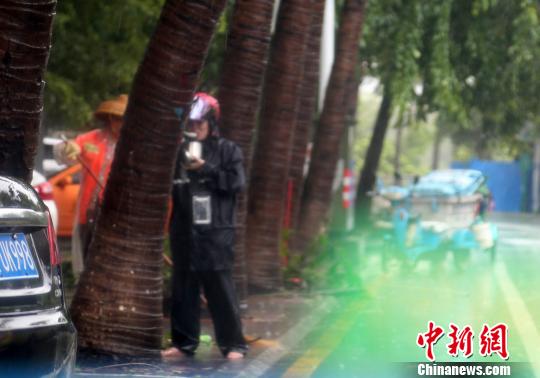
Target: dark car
x,y
37,336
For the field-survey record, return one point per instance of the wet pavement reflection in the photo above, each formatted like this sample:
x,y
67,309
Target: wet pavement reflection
x,y
372,330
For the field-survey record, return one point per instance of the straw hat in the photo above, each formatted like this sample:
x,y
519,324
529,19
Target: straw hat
x,y
116,106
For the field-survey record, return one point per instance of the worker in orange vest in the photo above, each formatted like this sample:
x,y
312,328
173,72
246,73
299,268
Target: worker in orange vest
x,y
94,150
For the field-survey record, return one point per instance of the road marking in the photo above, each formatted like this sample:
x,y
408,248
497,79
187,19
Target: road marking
x,y
310,360
523,320
264,361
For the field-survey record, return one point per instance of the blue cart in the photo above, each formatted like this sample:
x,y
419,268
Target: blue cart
x,y
445,210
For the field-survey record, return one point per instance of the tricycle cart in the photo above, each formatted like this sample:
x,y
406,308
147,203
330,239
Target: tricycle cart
x,y
444,210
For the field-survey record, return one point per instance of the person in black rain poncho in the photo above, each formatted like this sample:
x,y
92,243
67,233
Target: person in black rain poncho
x,y
202,233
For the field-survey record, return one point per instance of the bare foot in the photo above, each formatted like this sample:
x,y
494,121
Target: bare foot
x,y
235,356
171,352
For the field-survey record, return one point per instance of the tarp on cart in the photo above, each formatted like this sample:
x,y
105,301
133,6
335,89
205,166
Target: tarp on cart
x,y
449,182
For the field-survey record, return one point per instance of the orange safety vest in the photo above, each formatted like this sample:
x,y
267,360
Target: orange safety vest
x,y
97,152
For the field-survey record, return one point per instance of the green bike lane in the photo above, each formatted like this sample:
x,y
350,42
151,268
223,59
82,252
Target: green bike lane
x,y
373,332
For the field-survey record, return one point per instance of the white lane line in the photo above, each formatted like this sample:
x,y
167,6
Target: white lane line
x,y
522,319
264,361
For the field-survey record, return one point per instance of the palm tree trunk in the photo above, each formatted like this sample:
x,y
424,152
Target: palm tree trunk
x,y
307,109
239,95
368,173
437,146
400,124
25,42
317,193
117,307
271,161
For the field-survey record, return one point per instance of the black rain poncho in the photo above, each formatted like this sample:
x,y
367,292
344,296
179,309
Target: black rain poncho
x,y
208,245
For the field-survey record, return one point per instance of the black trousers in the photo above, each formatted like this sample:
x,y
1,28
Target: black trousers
x,y
222,303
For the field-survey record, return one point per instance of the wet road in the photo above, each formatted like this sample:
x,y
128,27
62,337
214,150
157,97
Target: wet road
x,y
375,330
372,332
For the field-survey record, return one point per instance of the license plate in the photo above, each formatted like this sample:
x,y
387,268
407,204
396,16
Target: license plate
x,y
16,260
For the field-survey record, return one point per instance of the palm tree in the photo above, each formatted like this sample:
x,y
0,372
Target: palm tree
x,y
373,156
25,41
239,95
117,307
317,192
307,109
271,161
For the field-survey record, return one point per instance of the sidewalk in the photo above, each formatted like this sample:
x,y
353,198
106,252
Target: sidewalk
x,y
273,325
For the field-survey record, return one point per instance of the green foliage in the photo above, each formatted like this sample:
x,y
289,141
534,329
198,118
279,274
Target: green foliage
x,y
330,264
210,77
475,59
417,140
392,42
440,85
97,47
495,50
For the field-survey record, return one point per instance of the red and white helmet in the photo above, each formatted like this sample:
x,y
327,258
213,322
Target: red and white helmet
x,y
204,106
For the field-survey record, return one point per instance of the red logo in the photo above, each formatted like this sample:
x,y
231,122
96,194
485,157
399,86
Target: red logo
x,y
461,341
429,339
492,340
